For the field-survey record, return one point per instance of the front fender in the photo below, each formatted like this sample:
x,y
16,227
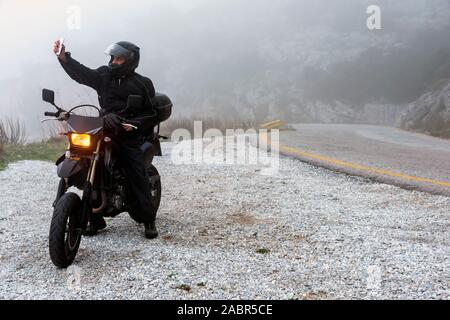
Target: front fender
x,y
68,168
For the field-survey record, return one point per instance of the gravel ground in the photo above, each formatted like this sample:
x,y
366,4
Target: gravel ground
x,y
231,232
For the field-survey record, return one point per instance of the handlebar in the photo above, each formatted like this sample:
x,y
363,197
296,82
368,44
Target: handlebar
x,y
60,115
65,114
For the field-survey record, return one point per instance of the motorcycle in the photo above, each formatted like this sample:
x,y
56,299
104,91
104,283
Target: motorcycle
x,y
90,165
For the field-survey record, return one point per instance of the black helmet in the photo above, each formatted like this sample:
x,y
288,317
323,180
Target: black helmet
x,y
127,50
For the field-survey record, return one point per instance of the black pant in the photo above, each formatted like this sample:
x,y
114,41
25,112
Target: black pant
x,y
131,158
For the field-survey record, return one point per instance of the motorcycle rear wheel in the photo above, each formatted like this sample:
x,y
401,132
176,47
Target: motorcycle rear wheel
x,y
155,186
154,181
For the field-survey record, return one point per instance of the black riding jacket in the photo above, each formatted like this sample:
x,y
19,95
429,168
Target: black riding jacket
x,y
113,91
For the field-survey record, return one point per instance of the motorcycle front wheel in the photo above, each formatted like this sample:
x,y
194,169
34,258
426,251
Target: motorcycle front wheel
x,y
65,230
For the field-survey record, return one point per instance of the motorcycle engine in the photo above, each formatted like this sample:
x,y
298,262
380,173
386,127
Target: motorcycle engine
x,y
118,198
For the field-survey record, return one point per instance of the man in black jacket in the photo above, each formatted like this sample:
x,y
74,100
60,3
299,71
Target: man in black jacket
x,y
114,83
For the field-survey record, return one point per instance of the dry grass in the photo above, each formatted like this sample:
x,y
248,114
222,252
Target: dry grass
x,y
2,152
53,129
13,146
12,132
45,151
13,136
207,123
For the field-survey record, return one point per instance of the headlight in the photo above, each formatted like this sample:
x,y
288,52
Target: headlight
x,y
80,140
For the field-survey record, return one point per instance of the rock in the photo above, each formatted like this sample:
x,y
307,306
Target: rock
x,y
430,113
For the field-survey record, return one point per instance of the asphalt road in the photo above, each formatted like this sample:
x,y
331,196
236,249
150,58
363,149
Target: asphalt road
x,y
389,155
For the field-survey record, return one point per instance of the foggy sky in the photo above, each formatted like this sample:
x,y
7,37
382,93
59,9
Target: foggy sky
x,y
198,52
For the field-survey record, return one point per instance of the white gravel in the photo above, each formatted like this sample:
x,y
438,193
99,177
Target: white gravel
x,y
328,236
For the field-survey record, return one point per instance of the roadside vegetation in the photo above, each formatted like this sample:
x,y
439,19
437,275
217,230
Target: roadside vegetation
x,y
207,123
14,146
48,150
2,153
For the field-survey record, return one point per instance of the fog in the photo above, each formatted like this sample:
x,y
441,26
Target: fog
x,y
245,58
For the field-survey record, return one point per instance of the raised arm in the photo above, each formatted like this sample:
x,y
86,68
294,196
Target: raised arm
x,y
76,70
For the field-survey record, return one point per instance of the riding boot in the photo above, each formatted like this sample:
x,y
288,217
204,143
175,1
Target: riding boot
x,y
95,224
150,230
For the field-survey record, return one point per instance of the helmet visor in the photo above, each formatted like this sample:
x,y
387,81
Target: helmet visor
x,y
116,50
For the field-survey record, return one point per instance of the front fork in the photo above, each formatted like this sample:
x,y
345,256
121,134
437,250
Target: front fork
x,y
62,188
87,192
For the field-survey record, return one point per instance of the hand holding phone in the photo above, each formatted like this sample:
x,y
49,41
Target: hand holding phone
x,y
61,46
59,49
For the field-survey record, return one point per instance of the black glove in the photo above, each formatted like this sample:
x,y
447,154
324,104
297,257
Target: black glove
x,y
112,121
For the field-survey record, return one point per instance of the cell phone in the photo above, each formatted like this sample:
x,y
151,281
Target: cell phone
x,y
61,42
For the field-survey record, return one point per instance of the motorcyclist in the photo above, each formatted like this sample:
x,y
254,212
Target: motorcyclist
x,y
114,83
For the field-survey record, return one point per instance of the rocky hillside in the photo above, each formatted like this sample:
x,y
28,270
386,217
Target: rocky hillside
x,y
431,112
338,112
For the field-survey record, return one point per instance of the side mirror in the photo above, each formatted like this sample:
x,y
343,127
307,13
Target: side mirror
x,y
48,96
134,101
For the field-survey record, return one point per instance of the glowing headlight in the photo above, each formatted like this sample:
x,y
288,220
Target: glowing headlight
x,y
80,140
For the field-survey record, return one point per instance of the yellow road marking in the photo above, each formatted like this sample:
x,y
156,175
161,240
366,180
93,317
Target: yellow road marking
x,y
272,125
299,152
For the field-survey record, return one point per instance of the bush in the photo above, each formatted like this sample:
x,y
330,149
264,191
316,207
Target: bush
x,y
12,132
13,148
2,153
